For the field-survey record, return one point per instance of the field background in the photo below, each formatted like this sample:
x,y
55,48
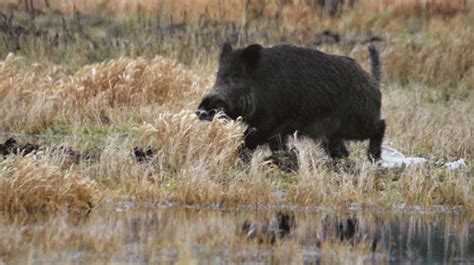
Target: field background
x,y
104,77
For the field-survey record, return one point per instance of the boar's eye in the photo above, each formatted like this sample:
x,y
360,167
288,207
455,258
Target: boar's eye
x,y
229,75
234,76
212,103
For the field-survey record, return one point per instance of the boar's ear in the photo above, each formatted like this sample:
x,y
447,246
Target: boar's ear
x,y
251,55
225,51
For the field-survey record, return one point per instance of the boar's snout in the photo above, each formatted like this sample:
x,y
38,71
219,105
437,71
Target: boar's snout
x,y
210,105
205,115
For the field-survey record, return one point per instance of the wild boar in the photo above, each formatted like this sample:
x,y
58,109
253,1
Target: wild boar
x,y
283,89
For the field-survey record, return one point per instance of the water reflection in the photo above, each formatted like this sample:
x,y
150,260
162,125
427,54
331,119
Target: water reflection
x,y
139,234
271,229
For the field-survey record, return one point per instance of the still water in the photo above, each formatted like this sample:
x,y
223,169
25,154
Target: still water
x,y
151,233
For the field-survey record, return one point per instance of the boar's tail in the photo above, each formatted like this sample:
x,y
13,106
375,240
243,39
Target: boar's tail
x,y
375,63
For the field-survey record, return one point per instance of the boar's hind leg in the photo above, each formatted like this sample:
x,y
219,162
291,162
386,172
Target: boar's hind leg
x,y
328,129
375,144
335,148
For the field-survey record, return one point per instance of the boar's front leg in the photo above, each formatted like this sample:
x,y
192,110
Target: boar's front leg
x,y
286,160
253,137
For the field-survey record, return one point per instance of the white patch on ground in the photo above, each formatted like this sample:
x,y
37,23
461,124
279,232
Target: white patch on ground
x,y
394,158
455,165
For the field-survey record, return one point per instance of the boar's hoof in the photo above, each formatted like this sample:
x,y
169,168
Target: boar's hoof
x,y
246,155
285,160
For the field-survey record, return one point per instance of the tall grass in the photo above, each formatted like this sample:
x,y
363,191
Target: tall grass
x,y
230,9
424,42
150,100
197,162
35,184
42,98
82,70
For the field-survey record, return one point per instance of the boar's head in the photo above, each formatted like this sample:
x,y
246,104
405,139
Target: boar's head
x,y
233,91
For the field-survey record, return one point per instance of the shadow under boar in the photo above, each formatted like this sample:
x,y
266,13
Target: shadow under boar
x,y
283,89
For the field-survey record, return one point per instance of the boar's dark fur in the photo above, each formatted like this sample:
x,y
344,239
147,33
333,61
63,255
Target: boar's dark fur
x,y
283,89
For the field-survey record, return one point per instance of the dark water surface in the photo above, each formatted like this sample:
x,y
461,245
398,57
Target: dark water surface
x,y
131,233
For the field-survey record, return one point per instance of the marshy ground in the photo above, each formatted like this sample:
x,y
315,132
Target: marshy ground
x,y
89,86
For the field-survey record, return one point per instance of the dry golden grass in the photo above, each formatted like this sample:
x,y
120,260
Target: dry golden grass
x,y
232,10
364,183
43,97
197,162
433,63
181,140
149,103
422,44
133,82
437,52
422,123
411,8
33,184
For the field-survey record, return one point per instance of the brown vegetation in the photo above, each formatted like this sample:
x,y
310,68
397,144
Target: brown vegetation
x,y
181,9
32,184
196,162
42,98
145,97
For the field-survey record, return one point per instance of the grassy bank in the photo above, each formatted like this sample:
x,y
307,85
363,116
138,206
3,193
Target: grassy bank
x,y
135,80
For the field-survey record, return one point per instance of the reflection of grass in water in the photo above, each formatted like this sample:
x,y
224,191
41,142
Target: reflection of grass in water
x,y
141,234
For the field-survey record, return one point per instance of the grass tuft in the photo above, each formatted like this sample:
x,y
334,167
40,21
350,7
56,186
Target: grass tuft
x,y
33,184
